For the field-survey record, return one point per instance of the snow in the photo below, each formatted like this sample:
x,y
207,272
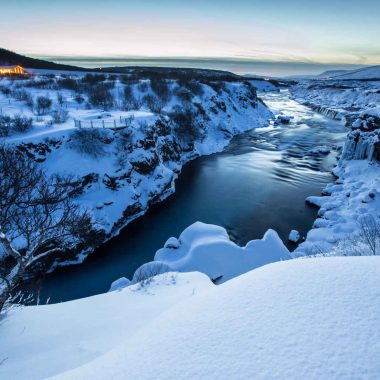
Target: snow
x,y
372,72
355,195
208,249
41,341
120,283
311,319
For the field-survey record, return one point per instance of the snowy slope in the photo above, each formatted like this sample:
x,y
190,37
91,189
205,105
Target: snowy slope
x,y
41,341
372,72
297,319
330,74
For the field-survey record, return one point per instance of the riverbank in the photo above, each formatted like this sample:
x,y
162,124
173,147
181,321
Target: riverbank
x,y
263,175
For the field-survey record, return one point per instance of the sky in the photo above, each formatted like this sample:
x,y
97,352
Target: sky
x,y
323,32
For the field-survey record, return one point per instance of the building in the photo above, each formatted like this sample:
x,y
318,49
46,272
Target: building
x,y
12,70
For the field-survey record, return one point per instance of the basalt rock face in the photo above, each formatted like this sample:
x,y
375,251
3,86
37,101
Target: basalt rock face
x,y
355,103
363,142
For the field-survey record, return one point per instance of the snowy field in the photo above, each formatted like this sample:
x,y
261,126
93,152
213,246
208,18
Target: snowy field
x,y
297,319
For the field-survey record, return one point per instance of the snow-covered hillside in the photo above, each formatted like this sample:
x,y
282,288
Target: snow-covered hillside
x,y
124,139
366,73
297,319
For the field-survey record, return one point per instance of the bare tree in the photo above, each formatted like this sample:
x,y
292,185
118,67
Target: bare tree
x,y
38,218
370,232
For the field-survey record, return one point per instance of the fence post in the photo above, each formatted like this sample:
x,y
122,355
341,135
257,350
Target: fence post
x,y
80,124
92,125
103,123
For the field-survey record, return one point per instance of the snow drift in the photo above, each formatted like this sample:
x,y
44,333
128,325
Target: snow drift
x,y
296,319
208,249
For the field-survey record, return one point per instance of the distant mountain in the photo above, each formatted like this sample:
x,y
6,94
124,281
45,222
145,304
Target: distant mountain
x,y
9,58
331,73
372,72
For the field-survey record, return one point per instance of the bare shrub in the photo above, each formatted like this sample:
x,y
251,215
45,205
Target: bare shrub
x,y
161,88
79,98
36,210
146,272
68,84
22,124
153,103
60,99
89,141
43,104
143,86
6,91
93,78
186,126
8,125
370,233
184,95
101,96
60,115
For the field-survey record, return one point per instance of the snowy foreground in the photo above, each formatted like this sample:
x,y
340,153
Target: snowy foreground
x,y
312,318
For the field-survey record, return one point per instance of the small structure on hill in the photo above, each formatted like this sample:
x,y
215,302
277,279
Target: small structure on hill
x,y
12,70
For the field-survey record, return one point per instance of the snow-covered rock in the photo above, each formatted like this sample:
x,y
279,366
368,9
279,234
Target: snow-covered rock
x,y
294,236
172,243
207,248
119,284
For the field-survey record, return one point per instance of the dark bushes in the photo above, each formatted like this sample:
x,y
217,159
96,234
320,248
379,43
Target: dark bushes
x,y
100,96
89,141
186,126
161,88
43,104
10,125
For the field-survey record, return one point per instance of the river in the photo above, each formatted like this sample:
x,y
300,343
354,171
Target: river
x,y
259,181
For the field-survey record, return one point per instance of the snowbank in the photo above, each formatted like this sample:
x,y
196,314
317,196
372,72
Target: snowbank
x,y
42,341
354,195
208,249
296,319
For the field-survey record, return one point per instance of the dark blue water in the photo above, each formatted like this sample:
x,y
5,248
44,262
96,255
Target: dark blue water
x,y
260,181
